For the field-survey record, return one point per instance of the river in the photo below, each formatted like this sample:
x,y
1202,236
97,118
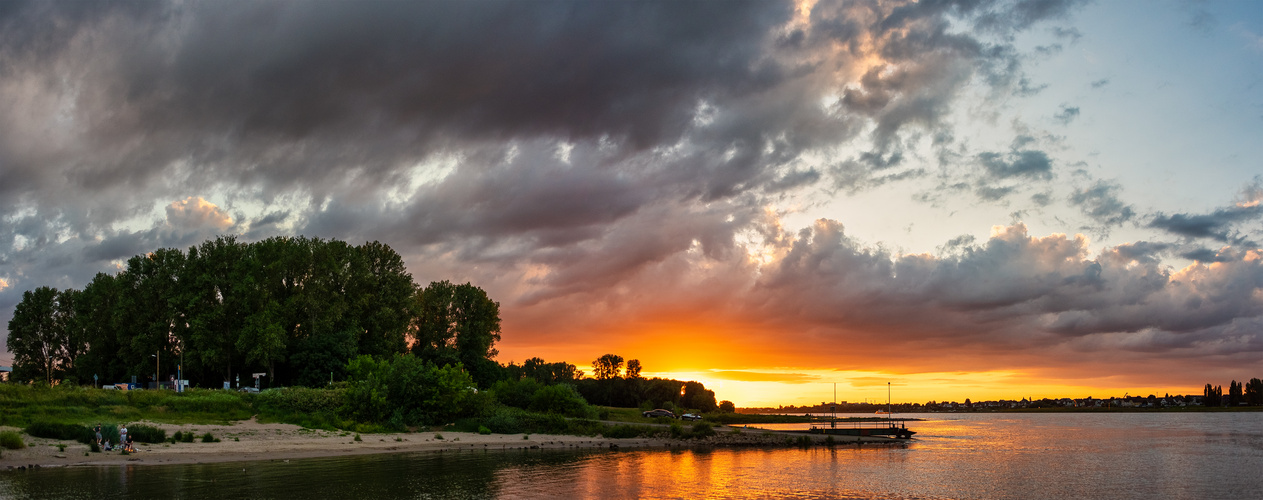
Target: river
x,y
962,456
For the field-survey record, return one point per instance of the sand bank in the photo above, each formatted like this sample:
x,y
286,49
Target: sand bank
x,y
250,440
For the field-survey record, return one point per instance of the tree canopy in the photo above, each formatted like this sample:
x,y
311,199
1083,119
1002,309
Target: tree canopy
x,y
297,309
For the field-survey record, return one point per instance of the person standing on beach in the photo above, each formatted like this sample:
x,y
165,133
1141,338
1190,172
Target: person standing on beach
x,y
122,436
98,434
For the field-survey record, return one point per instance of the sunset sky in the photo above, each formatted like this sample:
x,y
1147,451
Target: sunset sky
x,y
968,199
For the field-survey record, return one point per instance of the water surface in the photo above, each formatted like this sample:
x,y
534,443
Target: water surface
x,y
967,456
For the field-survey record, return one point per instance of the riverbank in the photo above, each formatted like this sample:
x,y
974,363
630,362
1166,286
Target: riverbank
x,y
250,440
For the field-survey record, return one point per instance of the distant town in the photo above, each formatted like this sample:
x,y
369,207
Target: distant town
x,y
1240,394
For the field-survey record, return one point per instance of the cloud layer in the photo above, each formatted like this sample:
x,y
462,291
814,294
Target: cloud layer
x,y
605,169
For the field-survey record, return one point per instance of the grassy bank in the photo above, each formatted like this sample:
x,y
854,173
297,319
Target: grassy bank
x,y
22,405
51,411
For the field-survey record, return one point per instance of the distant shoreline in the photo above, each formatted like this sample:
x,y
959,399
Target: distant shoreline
x,y
250,440
1187,409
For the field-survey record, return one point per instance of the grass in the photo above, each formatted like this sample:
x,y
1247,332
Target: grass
x,y
147,433
11,440
22,405
65,432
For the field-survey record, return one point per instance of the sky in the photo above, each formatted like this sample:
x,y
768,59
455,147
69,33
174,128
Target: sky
x,y
966,199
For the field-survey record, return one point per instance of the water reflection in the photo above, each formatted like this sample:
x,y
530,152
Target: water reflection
x,y
1137,455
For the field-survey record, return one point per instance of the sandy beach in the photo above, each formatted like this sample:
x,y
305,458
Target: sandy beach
x,y
250,440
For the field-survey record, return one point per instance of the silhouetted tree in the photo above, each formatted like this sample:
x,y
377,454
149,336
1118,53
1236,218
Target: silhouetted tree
x,y
1234,394
607,366
1254,392
458,323
1212,395
633,369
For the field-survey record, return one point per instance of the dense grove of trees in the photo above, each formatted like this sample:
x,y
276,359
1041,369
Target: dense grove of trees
x,y
612,388
307,312
1239,393
297,309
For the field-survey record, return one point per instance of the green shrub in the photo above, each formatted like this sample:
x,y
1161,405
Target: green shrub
x,y
561,399
301,400
516,393
65,432
702,429
11,440
483,430
147,433
209,438
188,437
358,438
109,432
425,393
95,448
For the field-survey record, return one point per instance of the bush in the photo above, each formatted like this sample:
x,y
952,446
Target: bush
x,y
561,399
11,440
209,438
147,433
702,429
516,393
425,394
483,430
65,432
301,400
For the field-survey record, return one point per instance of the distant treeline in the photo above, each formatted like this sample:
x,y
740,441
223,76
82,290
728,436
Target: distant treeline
x,y
1248,393
298,309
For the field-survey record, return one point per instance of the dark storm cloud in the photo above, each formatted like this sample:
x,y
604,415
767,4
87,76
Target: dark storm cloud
x,y
562,147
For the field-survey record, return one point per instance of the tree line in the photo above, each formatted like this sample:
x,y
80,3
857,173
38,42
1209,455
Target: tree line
x,y
306,312
297,309
1239,393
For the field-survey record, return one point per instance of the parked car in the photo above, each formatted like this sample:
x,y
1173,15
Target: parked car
x,y
690,416
248,389
658,413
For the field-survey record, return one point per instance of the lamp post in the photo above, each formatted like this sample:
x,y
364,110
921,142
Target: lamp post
x,y
157,384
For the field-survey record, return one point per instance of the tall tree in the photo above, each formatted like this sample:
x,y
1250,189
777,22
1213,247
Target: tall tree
x,y
633,369
36,338
150,305
220,285
96,319
1234,393
1254,392
74,332
458,323
384,300
607,366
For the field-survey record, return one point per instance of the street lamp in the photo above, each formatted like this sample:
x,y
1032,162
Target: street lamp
x,y
157,384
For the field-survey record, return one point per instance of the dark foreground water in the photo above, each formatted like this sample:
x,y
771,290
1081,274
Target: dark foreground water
x,y
1123,455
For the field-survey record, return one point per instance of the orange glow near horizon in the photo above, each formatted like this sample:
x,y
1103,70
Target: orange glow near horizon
x,y
741,365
